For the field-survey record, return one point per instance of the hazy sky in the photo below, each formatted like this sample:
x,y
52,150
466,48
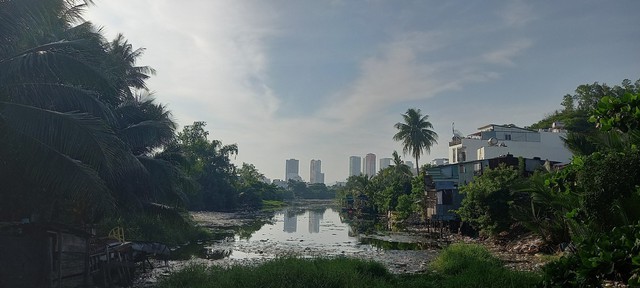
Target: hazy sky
x,y
328,79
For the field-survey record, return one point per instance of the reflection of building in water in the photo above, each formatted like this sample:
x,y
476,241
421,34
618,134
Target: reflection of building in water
x,y
314,220
290,221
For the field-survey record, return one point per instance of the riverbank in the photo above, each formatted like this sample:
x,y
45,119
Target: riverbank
x,y
459,265
255,243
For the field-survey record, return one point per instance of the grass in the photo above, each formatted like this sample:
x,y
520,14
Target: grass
x,y
459,265
273,204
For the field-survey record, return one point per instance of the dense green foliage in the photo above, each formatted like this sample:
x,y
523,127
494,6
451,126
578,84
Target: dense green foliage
x,y
302,190
458,266
77,131
590,205
394,189
486,202
621,113
84,142
596,103
613,256
595,199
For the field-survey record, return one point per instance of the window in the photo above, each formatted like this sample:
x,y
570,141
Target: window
x,y
461,169
507,136
447,197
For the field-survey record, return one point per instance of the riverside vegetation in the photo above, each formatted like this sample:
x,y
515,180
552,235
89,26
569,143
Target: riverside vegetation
x,y
459,265
85,144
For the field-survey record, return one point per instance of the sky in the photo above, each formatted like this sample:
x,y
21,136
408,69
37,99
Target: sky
x,y
311,79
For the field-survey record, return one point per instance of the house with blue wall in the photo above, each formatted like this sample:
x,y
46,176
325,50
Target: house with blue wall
x,y
443,182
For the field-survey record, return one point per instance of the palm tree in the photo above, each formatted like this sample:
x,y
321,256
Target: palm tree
x,y
399,166
122,70
59,149
416,134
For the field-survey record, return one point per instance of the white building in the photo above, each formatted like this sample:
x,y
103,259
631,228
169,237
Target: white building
x,y
492,141
440,161
370,165
355,166
315,172
291,170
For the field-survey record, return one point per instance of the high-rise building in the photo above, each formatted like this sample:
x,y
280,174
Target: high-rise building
x,y
370,165
315,172
354,166
292,167
384,163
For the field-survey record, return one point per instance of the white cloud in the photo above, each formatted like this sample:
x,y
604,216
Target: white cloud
x,y
504,55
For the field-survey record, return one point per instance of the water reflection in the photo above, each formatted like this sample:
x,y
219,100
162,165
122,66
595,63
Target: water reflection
x,y
314,220
290,221
308,231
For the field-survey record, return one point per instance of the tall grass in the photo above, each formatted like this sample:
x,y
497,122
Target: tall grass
x,y
465,265
285,272
459,265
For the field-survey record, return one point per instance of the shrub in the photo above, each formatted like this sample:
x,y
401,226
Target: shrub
x,y
486,202
607,256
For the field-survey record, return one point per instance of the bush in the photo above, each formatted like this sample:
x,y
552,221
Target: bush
x,y
486,202
465,265
609,182
608,256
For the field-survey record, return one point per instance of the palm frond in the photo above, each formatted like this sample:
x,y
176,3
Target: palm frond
x,y
58,62
169,182
147,135
78,135
56,172
61,98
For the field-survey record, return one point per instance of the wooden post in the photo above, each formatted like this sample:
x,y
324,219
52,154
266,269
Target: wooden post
x,y
59,258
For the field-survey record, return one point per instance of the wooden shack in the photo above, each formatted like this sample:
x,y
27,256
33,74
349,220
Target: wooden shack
x,y
54,255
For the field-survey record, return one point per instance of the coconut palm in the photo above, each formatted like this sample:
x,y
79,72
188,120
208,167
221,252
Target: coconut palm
x,y
59,152
415,134
122,69
399,166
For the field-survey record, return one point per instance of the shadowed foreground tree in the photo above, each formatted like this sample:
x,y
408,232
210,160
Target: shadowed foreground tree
x,y
70,146
416,134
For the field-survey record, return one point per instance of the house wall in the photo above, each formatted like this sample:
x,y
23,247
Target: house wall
x,y
549,148
519,142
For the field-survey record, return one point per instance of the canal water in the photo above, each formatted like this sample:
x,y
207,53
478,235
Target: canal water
x,y
307,229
